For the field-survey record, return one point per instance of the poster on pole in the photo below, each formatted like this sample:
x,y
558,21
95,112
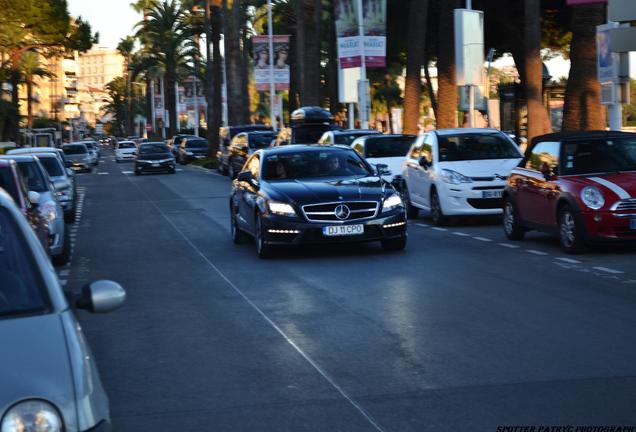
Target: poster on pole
x,y
281,62
188,94
349,49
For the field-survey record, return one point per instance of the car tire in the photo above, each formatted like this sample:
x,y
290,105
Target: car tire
x,y
411,211
263,250
238,236
137,172
571,234
69,217
511,222
437,214
65,256
392,245
117,160
172,171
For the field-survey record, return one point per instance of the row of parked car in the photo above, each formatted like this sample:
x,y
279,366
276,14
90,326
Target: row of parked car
x,y
52,382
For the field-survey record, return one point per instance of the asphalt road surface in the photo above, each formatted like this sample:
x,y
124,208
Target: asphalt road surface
x,y
463,331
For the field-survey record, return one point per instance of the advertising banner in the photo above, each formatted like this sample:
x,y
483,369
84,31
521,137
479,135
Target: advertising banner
x,y
187,97
281,62
608,62
349,49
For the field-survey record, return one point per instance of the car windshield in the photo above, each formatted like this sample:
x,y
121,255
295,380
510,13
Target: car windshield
x,y
348,138
7,183
33,176
153,148
197,144
75,149
259,141
126,144
52,166
20,286
383,147
314,164
475,146
593,156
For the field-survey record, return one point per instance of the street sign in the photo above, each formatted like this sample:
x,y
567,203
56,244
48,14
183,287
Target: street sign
x,y
607,61
623,39
469,47
622,10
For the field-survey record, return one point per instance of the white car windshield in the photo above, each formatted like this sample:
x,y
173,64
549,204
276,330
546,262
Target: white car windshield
x,y
475,146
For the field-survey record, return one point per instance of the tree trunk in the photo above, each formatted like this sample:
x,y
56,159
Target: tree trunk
x,y
332,66
149,96
429,86
14,79
245,63
169,101
29,89
215,108
583,109
533,68
232,41
447,89
416,50
308,50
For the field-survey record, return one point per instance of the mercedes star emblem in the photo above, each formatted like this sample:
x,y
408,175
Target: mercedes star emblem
x,y
342,212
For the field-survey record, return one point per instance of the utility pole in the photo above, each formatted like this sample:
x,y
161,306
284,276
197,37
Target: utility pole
x,y
363,84
272,84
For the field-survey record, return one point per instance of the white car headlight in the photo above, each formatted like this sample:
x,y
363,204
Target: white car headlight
x,y
32,415
49,212
391,202
592,197
281,209
453,177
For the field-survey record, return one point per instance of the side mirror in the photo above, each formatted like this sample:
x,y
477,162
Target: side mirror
x,y
69,172
245,176
383,169
34,198
101,296
546,171
424,163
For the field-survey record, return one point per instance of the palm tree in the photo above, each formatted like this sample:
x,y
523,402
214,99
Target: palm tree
x,y
446,114
213,77
30,67
143,6
165,35
234,27
583,109
533,68
125,48
116,104
416,51
308,17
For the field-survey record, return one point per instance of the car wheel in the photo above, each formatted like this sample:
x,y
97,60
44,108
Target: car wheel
x,y
437,214
512,225
137,172
117,160
411,211
397,244
237,234
172,171
65,256
69,217
262,249
570,231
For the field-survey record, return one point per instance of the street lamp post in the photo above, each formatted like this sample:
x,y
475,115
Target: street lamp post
x,y
272,84
363,86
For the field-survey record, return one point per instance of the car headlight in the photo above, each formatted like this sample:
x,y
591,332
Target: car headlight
x,y
392,202
49,212
32,415
592,197
453,177
281,209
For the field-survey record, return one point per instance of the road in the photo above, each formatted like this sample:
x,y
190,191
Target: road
x,y
462,331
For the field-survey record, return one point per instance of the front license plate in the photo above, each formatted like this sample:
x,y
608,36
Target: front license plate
x,y
632,224
155,164
342,230
492,194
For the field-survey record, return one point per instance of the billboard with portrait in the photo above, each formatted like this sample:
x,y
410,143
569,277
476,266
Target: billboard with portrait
x,y
262,62
349,49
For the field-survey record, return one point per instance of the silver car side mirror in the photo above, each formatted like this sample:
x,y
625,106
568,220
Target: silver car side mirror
x,y
34,198
69,172
101,296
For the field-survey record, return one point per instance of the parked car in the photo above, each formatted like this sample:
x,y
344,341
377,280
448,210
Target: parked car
x,y
78,156
154,157
93,147
12,181
125,150
191,149
35,150
389,150
226,135
579,186
458,172
38,180
245,144
173,144
314,194
346,136
53,383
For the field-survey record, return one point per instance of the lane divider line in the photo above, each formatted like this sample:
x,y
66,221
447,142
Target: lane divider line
x,y
422,225
608,270
536,252
569,260
509,245
484,239
461,234
439,229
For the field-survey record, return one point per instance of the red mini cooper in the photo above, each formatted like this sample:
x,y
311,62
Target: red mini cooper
x,y
581,186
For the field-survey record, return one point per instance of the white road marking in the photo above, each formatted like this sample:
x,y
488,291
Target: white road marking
x,y
484,239
422,225
179,169
509,246
440,229
568,260
127,172
103,173
536,252
461,234
608,270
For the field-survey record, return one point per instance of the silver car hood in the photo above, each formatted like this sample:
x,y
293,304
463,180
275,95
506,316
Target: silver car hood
x,y
35,364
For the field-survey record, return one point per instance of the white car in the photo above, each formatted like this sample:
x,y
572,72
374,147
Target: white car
x,y
125,150
346,136
458,172
389,150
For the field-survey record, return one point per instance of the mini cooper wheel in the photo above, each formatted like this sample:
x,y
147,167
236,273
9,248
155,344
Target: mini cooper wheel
x,y
437,214
396,244
570,231
512,226
411,211
262,249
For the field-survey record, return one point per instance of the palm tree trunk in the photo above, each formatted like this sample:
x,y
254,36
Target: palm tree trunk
x,y
447,89
533,68
583,109
308,13
232,42
244,68
170,102
29,89
214,27
416,50
332,65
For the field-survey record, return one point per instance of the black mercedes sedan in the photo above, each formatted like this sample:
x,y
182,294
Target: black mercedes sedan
x,y
154,157
306,194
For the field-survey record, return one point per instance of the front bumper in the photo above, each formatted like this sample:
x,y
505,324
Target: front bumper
x,y
469,199
149,167
280,230
125,156
610,226
81,166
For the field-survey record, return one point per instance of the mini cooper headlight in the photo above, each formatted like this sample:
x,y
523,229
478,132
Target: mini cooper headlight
x,y
32,415
391,202
453,177
281,209
592,197
49,212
